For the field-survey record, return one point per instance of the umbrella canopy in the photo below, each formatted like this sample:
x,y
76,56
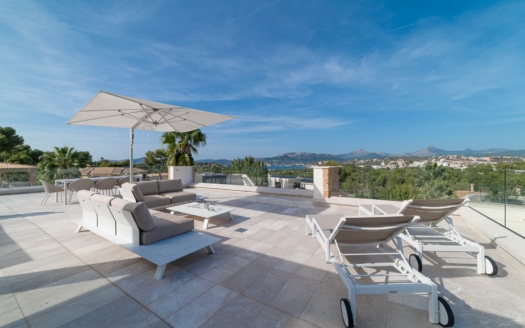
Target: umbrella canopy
x,y
112,110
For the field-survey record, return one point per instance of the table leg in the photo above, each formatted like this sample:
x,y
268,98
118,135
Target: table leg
x,y
65,193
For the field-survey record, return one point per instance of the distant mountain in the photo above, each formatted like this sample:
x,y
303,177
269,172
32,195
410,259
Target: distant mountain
x,y
299,158
135,160
362,154
430,151
218,161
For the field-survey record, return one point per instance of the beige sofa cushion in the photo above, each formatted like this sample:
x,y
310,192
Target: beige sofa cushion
x,y
141,215
180,197
149,187
169,186
166,226
153,201
103,199
119,203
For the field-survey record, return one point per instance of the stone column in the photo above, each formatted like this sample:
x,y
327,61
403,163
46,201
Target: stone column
x,y
326,181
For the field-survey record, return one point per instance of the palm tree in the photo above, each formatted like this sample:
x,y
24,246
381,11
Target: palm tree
x,y
61,163
182,146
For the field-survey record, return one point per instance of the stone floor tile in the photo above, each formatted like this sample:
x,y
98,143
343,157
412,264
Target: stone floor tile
x,y
74,307
171,302
294,296
106,314
239,311
270,317
201,309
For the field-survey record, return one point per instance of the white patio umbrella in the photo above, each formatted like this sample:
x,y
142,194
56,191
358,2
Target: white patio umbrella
x,y
112,110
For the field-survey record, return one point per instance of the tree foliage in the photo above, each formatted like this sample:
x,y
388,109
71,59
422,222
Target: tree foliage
x,y
502,182
63,162
156,158
181,146
13,149
253,168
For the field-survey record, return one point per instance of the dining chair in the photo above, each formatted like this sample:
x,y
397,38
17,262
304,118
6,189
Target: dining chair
x,y
106,186
80,184
49,190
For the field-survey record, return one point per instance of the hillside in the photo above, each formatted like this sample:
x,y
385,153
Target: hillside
x,y
296,158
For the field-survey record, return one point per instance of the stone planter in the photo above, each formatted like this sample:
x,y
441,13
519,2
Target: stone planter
x,y
184,173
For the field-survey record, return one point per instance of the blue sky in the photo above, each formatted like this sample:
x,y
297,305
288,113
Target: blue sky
x,y
301,76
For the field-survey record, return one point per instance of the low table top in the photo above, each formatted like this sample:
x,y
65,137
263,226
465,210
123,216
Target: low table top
x,y
199,209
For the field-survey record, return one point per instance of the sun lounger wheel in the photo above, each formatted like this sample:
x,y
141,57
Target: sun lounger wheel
x,y
346,312
491,268
446,316
415,262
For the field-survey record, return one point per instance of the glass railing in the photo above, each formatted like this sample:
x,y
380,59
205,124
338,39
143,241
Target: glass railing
x,y
502,199
281,177
497,194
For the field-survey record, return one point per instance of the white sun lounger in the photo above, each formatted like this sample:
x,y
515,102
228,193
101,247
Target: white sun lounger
x,y
368,265
431,236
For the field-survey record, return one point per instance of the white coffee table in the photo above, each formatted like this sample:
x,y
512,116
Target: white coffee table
x,y
203,210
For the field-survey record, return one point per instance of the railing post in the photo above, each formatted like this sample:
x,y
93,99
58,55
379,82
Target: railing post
x,y
326,181
505,197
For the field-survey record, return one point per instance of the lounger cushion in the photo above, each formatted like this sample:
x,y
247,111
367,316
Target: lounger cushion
x,y
141,215
166,226
429,215
137,193
180,197
169,186
351,236
149,187
153,201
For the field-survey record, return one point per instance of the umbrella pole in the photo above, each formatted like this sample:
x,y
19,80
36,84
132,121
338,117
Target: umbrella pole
x,y
131,138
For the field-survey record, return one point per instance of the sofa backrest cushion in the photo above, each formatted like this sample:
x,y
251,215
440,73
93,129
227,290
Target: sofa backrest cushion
x,y
102,199
141,215
149,187
139,197
119,203
85,193
169,186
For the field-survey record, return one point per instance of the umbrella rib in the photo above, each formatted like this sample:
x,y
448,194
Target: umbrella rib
x,y
95,118
169,122
144,118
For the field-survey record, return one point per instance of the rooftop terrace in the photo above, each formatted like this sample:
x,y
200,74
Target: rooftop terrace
x,y
266,273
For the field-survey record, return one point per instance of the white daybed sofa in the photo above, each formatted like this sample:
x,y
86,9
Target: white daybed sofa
x,y
156,236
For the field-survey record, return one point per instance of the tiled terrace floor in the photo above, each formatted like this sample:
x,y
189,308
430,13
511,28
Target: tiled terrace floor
x,y
266,273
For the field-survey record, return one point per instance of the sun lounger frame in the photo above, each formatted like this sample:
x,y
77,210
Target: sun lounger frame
x,y
414,282
428,236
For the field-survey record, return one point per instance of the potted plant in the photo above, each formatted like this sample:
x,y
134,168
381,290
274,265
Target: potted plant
x,y
181,146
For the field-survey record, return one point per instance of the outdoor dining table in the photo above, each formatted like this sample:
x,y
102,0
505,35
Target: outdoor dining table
x,y
66,182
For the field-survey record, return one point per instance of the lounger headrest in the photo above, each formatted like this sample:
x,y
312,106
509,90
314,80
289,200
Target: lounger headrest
x,y
372,229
